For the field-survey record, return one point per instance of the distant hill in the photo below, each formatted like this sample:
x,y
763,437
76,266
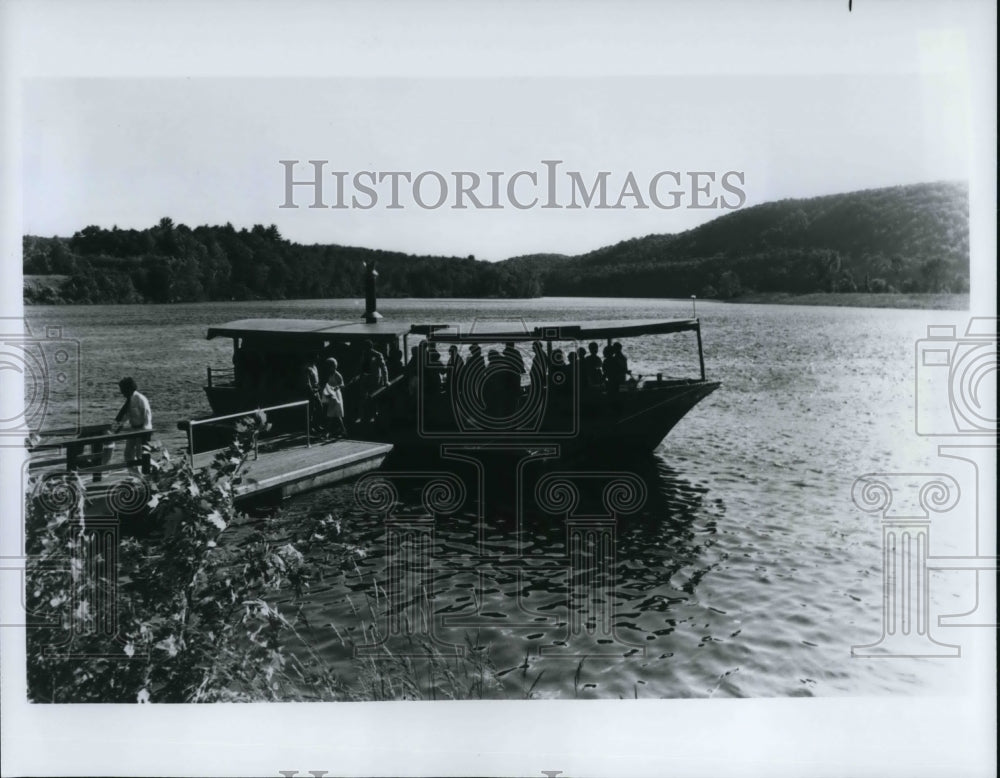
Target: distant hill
x,y
905,238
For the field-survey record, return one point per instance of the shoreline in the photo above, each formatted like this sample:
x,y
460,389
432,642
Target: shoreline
x,y
938,301
924,301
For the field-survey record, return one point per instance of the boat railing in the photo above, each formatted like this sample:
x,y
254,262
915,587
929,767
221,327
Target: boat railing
x,y
97,461
231,417
550,335
397,381
220,376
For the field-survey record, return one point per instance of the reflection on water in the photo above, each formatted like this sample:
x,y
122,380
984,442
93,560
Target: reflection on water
x,y
546,566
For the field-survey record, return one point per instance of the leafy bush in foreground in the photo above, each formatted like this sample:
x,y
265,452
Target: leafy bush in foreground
x,y
195,613
192,612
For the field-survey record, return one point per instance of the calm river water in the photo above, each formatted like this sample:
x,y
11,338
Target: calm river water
x,y
747,570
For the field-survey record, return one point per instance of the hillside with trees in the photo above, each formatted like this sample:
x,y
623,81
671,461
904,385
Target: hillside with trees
x,y
175,263
906,238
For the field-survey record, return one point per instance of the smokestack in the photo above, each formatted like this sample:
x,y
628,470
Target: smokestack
x,y
371,314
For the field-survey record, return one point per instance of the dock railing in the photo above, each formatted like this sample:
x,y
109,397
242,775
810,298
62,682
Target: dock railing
x,y
97,461
192,423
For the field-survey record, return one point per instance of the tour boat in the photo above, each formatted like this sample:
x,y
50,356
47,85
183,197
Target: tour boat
x,y
500,399
428,404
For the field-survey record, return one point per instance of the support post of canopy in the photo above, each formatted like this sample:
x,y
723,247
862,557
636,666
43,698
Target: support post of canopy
x,y
371,315
701,353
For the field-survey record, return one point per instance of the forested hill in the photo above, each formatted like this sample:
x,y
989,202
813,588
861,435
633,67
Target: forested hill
x,y
175,263
907,238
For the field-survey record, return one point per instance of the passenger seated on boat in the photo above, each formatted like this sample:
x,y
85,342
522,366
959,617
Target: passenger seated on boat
x,y
454,366
497,385
433,372
515,369
412,371
395,363
332,398
539,374
476,364
374,376
513,356
593,370
366,353
470,382
620,355
615,367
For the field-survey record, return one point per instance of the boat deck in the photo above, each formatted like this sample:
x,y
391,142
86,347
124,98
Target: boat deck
x,y
287,471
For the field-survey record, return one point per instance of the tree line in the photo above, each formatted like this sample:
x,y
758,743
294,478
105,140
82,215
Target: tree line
x,y
907,239
175,263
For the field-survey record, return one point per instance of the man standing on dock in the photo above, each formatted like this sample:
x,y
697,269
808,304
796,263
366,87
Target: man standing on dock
x,y
140,417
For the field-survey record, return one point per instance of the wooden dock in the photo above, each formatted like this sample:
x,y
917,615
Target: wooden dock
x,y
280,466
270,475
286,461
288,471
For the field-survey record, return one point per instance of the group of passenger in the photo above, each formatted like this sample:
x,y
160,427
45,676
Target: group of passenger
x,y
324,386
498,374
495,376
607,372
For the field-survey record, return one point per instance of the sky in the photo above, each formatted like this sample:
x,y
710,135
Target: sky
x,y
129,151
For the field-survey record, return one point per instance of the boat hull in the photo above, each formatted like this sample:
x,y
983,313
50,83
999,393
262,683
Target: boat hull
x,y
634,421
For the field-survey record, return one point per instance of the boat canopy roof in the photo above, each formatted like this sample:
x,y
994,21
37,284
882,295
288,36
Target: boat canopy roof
x,y
312,330
308,329
493,331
